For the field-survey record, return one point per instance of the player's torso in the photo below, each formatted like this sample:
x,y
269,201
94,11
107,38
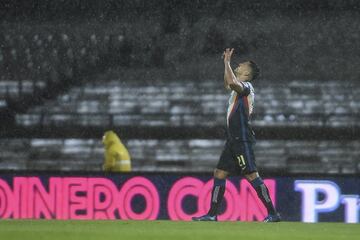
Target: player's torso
x,y
239,111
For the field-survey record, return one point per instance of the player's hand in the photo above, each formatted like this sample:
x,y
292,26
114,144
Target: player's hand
x,y
227,54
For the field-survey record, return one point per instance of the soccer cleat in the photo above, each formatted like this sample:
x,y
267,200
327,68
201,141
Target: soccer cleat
x,y
205,218
273,218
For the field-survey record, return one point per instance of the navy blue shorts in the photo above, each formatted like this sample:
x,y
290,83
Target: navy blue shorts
x,y
237,158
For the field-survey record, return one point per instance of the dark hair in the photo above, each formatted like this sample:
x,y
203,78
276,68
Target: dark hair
x,y
255,70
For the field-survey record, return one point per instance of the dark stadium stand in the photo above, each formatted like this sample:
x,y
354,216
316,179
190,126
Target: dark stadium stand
x,y
60,70
180,104
194,155
13,89
324,104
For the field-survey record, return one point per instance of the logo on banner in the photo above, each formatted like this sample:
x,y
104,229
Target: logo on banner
x,y
100,198
325,197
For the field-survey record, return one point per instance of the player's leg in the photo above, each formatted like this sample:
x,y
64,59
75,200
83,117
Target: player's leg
x,y
221,172
246,159
218,191
217,195
263,193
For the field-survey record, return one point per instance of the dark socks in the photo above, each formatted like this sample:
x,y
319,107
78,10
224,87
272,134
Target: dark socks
x,y
263,193
217,196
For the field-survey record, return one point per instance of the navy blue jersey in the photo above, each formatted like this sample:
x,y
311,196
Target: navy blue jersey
x,y
238,114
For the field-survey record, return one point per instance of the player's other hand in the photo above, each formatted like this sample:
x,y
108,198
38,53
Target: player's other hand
x,y
227,54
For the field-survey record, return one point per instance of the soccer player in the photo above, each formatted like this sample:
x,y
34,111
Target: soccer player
x,y
238,156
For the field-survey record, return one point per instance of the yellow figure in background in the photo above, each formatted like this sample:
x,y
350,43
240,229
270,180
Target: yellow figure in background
x,y
117,157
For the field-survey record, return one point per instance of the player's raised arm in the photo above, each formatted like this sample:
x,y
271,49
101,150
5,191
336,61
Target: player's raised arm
x,y
226,85
230,80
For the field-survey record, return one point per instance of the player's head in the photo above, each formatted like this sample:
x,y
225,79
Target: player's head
x,y
247,71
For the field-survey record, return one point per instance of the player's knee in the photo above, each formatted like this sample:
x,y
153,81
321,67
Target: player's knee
x,y
220,174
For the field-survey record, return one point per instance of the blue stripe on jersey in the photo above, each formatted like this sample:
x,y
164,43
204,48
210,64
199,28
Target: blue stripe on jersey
x,y
243,128
247,154
242,120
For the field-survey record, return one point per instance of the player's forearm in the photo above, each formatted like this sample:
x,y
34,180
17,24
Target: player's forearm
x,y
230,79
228,75
225,82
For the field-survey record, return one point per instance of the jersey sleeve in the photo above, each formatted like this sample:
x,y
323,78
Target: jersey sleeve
x,y
247,88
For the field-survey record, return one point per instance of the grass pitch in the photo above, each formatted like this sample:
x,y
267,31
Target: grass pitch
x,y
172,230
